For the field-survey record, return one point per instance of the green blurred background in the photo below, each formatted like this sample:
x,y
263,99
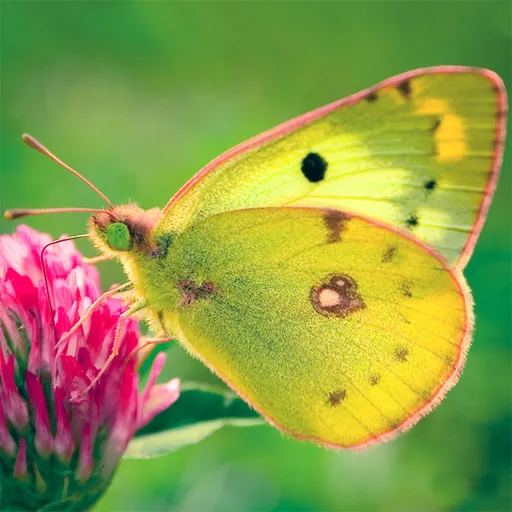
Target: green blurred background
x,y
138,96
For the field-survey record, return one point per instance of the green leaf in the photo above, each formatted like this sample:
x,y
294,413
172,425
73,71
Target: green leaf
x,y
200,411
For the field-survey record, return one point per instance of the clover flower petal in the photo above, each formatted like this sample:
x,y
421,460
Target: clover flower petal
x,y
57,443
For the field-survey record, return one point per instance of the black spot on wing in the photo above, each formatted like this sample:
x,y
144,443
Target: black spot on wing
x,y
430,185
314,167
405,89
412,221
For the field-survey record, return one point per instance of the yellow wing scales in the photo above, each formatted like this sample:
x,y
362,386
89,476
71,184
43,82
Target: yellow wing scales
x,y
420,153
336,329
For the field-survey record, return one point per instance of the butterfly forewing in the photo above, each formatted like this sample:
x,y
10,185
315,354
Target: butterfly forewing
x,y
335,328
420,151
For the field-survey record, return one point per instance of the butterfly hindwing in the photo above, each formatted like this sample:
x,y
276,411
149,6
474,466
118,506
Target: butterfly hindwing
x,y
420,151
335,328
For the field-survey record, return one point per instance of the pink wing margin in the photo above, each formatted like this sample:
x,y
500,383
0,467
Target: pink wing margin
x,y
304,119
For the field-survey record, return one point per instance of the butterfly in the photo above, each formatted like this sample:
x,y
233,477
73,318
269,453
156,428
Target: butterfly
x,y
317,268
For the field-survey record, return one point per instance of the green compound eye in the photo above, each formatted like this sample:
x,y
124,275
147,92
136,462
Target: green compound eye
x,y
118,237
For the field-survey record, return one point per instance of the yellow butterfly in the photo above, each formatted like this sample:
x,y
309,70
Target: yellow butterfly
x,y
317,268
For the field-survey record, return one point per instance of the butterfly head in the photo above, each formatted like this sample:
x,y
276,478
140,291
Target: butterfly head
x,y
125,228
119,237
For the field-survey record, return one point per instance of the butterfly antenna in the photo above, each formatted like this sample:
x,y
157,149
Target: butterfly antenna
x,y
24,212
45,276
34,144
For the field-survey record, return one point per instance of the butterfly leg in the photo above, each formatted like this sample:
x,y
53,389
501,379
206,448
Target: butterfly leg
x,y
167,338
97,259
147,342
120,289
117,342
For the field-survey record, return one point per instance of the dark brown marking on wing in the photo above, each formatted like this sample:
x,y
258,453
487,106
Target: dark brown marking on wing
x,y
337,296
372,97
407,289
191,291
375,378
336,397
390,253
405,89
401,354
335,222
